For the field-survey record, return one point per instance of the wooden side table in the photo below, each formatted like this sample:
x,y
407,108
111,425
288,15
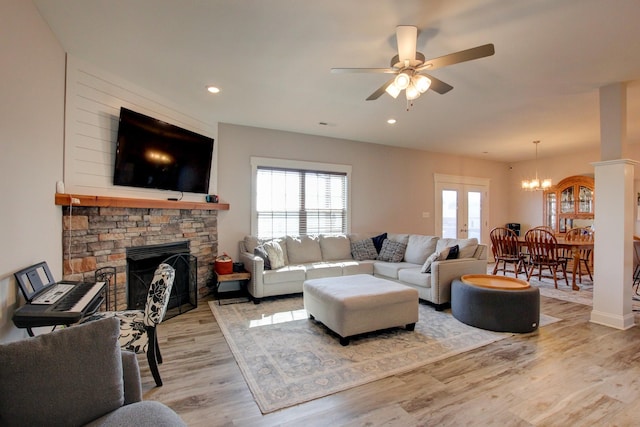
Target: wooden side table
x,y
243,278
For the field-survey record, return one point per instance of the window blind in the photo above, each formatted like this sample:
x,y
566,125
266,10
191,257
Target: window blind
x,y
300,202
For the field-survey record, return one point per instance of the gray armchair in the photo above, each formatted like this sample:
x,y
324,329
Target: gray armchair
x,y
76,376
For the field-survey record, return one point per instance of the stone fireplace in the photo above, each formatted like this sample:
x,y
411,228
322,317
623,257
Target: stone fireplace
x,y
96,237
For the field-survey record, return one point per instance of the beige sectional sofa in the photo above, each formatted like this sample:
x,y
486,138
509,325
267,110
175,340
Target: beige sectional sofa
x,y
312,257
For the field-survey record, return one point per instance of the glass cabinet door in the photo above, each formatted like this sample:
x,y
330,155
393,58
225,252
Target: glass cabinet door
x,y
567,200
551,209
585,196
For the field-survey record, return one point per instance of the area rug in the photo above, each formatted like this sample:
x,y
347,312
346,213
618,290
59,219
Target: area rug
x,y
288,359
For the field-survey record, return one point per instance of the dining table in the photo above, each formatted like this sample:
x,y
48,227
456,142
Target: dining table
x,y
574,246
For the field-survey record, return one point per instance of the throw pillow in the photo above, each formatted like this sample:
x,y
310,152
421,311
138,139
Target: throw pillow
x,y
453,252
392,251
378,241
275,254
363,250
262,253
467,246
436,256
419,248
78,370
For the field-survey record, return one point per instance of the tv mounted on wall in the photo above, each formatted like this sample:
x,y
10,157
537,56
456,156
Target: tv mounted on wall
x,y
154,154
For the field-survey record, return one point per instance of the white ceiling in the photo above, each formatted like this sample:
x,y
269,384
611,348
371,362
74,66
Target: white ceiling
x,y
271,59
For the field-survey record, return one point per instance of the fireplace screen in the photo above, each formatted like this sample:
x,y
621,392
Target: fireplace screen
x,y
142,262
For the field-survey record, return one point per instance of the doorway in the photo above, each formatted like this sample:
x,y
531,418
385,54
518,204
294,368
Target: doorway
x,y
462,208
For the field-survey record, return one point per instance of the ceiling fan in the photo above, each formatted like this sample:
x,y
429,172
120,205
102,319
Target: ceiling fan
x,y
409,66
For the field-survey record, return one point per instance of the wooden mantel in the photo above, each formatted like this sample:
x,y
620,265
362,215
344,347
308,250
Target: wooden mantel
x,y
123,202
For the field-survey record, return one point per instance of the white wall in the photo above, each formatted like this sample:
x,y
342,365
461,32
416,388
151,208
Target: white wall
x,y
31,137
93,101
391,187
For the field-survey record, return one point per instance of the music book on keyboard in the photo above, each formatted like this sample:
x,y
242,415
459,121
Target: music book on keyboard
x,y
40,288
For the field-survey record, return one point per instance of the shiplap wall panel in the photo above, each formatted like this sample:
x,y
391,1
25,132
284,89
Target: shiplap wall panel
x,y
93,102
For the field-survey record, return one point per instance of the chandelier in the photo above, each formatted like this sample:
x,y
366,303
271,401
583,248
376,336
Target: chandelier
x,y
536,184
411,82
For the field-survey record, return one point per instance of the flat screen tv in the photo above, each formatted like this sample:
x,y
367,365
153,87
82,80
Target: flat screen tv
x,y
154,154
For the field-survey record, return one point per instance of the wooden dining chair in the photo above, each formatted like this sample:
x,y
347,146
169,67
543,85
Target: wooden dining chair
x,y
505,247
581,235
545,227
636,271
543,253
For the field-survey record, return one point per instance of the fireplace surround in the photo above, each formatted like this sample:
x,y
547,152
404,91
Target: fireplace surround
x,y
98,236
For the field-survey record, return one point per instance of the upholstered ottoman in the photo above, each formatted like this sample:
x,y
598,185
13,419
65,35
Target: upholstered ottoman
x,y
351,305
496,303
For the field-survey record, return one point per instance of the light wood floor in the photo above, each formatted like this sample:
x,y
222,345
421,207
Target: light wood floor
x,y
571,373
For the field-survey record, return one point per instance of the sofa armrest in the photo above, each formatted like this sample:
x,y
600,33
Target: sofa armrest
x,y
131,377
254,265
444,272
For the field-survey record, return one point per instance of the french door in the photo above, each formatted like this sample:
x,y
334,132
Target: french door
x,y
462,207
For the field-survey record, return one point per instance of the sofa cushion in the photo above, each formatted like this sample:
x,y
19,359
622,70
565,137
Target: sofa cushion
x,y
378,241
389,270
147,413
392,251
335,247
414,276
357,267
363,250
318,270
395,237
303,249
467,246
251,242
261,252
436,256
275,252
419,248
289,273
77,369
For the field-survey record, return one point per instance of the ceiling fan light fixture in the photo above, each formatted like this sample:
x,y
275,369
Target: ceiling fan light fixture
x,y
412,92
393,90
402,81
422,83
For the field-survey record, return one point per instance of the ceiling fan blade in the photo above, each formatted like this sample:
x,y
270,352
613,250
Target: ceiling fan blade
x,y
407,37
438,85
363,70
378,93
457,57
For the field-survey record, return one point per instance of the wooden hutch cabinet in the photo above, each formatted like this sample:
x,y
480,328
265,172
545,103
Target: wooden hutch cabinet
x,y
570,204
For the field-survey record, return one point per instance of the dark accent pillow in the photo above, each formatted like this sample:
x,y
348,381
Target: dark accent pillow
x,y
453,252
262,253
378,241
392,251
77,369
363,250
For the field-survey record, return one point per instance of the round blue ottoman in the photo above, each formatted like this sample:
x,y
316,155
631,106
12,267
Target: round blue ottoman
x,y
500,310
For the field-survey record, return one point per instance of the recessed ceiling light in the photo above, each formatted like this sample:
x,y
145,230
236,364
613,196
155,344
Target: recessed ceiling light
x,y
391,121
213,89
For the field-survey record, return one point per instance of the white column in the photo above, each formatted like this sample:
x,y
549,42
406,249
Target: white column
x,y
614,227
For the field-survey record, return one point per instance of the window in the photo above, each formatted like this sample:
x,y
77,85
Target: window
x,y
299,198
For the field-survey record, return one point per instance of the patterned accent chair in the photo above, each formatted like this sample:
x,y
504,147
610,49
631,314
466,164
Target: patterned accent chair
x,y
138,328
